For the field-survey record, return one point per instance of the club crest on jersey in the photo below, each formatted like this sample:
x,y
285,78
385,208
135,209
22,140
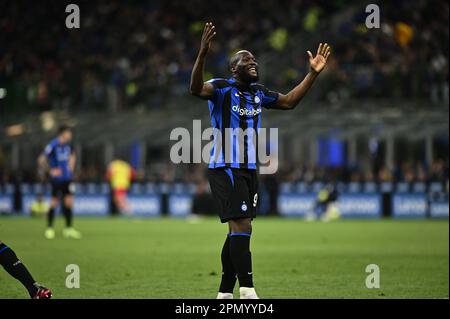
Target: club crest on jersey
x,y
257,99
244,207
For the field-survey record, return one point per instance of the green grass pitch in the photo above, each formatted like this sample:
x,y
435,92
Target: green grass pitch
x,y
169,258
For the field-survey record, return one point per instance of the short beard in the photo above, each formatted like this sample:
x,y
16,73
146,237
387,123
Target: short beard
x,y
246,77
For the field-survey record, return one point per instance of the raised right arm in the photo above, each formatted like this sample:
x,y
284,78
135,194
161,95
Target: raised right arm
x,y
198,87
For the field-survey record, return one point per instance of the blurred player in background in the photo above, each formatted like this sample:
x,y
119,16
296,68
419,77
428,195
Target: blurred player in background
x,y
39,207
236,103
325,207
60,159
120,174
17,269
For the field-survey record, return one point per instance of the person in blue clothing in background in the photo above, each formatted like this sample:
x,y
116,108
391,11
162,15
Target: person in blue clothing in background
x,y
59,158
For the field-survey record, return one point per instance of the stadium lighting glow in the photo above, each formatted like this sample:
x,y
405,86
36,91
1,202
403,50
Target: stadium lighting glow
x,y
15,130
2,93
47,121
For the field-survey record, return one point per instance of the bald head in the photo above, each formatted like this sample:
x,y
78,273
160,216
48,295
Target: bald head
x,y
243,66
237,56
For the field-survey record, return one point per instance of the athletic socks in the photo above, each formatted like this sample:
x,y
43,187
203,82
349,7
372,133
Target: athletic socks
x,y
50,217
228,272
67,212
68,216
16,269
242,258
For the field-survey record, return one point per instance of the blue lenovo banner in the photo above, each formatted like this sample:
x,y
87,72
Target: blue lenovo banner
x,y
91,205
145,205
350,205
180,205
295,204
409,205
6,203
360,205
83,205
439,209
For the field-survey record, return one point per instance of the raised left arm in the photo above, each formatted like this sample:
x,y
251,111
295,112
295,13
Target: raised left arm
x,y
290,100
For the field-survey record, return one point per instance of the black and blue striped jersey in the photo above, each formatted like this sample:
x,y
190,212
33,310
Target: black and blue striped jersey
x,y
235,111
58,156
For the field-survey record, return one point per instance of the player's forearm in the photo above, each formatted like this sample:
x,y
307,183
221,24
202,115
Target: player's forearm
x,y
42,161
293,98
196,85
72,162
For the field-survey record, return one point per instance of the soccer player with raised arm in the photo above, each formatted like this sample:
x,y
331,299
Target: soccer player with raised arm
x,y
60,158
236,104
16,269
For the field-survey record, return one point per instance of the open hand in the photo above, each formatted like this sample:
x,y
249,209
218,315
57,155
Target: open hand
x,y
207,36
55,172
318,62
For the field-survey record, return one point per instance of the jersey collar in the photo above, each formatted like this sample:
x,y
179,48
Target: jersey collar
x,y
240,86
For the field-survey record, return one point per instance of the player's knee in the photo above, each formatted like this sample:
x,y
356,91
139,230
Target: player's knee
x,y
68,201
54,202
241,226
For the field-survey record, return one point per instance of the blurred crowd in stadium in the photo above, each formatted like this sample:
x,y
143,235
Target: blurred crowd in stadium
x,y
290,171
140,53
405,172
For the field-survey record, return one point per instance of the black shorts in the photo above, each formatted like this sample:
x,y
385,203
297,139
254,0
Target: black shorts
x,y
61,188
235,192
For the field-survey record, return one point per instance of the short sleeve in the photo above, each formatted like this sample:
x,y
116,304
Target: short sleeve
x,y
218,85
269,98
48,150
